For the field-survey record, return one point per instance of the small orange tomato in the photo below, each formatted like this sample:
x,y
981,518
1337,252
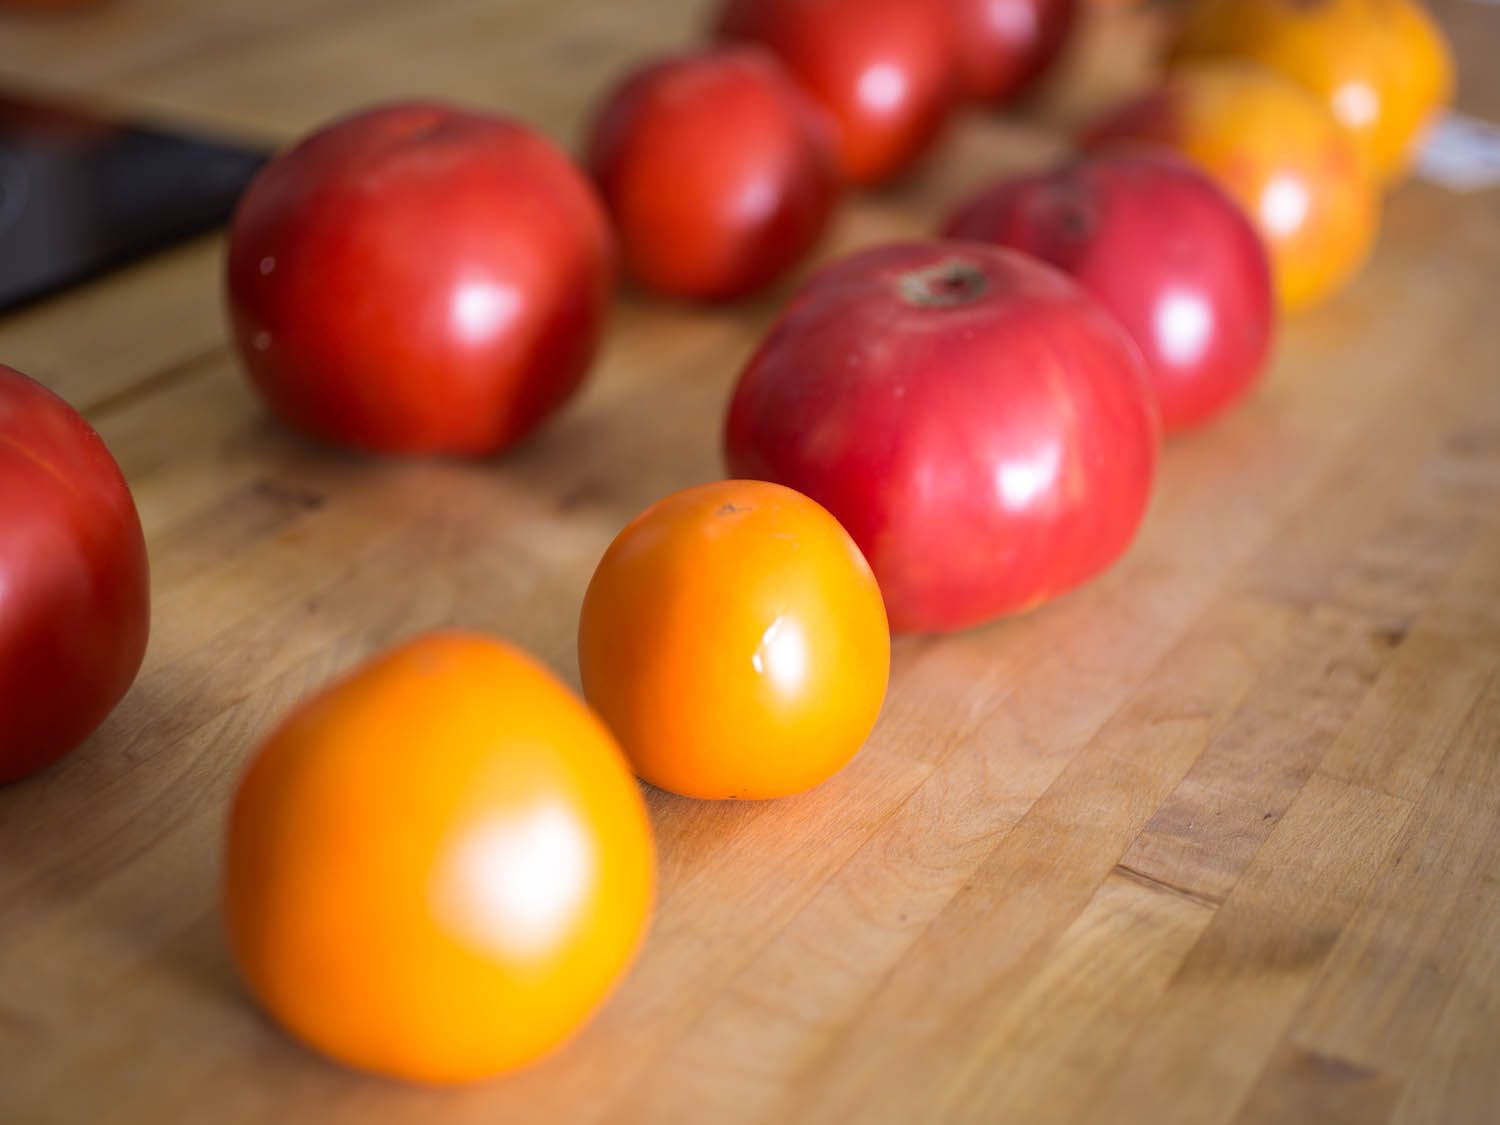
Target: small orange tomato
x,y
1278,152
735,640
1382,67
438,867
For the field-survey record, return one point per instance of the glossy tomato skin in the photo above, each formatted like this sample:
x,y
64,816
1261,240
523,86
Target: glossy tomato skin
x,y
1382,67
1004,46
719,172
1163,249
881,68
439,867
1278,152
979,424
75,604
419,279
734,640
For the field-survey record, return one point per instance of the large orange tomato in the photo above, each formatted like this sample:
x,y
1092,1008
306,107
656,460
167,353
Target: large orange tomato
x,y
735,640
1381,66
1276,150
439,867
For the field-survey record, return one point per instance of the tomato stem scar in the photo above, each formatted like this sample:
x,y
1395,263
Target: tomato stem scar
x,y
951,282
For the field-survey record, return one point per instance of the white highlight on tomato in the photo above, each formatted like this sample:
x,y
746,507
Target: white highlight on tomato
x,y
782,655
1283,205
757,200
1183,326
1017,20
514,885
1021,480
882,87
1356,103
482,309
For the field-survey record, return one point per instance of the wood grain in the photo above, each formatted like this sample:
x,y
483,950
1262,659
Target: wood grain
x,y
1216,838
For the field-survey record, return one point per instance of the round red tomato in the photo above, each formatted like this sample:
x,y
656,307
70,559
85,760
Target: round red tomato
x,y
1164,249
75,603
419,278
718,170
882,68
979,424
1003,46
1277,151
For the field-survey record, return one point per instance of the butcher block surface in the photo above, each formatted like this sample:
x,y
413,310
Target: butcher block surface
x,y
1215,838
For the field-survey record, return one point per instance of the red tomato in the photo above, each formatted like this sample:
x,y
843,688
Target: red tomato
x,y
1278,152
975,420
720,173
1165,250
882,68
419,278
1003,46
75,603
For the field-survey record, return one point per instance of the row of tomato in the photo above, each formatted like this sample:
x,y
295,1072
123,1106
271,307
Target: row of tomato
x,y
438,866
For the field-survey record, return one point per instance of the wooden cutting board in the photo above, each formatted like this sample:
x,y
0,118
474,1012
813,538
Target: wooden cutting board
x,y
1215,838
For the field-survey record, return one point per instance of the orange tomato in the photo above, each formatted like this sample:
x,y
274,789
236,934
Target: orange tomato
x,y
438,867
1276,150
735,640
1382,67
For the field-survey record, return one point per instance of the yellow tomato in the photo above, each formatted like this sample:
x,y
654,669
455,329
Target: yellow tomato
x,y
438,867
735,640
1275,149
1382,67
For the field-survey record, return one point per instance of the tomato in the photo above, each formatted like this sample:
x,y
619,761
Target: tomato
x,y
75,604
882,68
1004,46
734,639
438,867
1382,67
1161,247
1279,153
719,172
419,279
982,427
